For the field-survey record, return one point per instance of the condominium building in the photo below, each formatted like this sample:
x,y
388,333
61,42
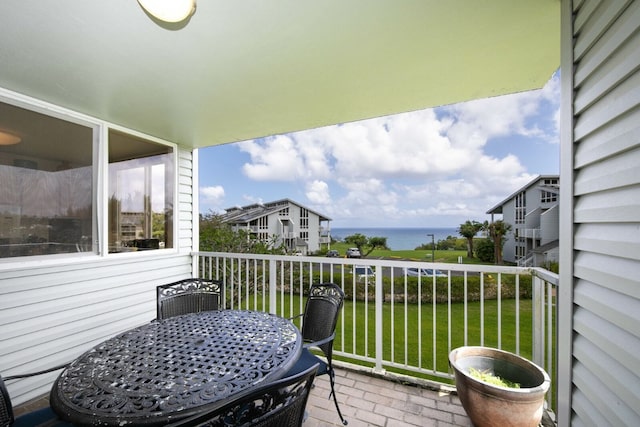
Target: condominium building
x,y
532,212
299,228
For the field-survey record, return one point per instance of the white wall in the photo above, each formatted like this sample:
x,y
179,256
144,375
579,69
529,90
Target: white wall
x,y
599,293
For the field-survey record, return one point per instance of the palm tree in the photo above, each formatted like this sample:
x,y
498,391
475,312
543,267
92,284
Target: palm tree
x,y
469,230
497,230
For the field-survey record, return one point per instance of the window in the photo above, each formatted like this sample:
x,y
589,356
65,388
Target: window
x,y
521,207
140,194
49,197
304,223
548,197
47,191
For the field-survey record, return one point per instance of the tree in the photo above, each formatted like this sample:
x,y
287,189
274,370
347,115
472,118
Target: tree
x,y
497,230
469,230
363,242
218,236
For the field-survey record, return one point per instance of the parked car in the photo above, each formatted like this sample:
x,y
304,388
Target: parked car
x,y
353,253
424,272
363,272
333,253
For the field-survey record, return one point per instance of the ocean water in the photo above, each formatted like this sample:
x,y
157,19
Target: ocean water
x,y
399,238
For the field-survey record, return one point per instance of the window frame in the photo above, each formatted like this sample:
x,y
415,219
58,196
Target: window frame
x,y
100,180
104,164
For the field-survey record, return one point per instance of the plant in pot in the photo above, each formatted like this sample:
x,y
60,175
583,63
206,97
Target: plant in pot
x,y
499,388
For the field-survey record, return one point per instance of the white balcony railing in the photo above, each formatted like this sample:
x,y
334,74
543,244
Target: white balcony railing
x,y
396,323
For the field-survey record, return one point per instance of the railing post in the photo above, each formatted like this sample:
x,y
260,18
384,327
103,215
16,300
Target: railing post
x,y
273,291
538,319
378,310
195,266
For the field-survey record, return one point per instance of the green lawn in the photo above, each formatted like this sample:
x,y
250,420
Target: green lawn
x,y
413,255
414,346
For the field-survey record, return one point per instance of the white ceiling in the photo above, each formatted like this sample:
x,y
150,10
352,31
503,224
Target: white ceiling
x,y
241,69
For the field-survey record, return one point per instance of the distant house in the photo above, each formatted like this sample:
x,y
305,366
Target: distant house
x,y
532,212
299,228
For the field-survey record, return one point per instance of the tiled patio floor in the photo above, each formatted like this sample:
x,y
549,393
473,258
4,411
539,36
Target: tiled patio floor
x,y
366,400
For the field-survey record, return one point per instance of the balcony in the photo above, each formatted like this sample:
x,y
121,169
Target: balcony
x,y
395,331
399,328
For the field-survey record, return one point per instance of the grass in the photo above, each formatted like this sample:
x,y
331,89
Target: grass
x,y
406,344
412,254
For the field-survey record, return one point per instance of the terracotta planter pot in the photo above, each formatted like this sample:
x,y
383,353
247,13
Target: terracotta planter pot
x,y
492,405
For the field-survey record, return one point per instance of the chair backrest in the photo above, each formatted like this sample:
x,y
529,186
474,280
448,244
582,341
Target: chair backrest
x,y
321,314
6,410
188,296
278,404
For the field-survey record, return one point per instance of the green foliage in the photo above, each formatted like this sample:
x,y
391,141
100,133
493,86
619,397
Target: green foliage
x,y
451,243
425,290
217,236
484,250
365,244
553,266
490,378
468,230
157,227
358,240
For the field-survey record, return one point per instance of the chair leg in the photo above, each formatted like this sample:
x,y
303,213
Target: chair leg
x,y
333,392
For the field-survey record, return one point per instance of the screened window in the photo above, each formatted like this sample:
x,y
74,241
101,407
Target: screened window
x,y
140,194
46,190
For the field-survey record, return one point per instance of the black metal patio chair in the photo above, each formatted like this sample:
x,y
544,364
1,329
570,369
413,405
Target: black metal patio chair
x,y
319,330
188,296
278,404
40,417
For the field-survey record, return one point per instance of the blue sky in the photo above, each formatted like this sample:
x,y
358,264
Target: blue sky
x,y
431,168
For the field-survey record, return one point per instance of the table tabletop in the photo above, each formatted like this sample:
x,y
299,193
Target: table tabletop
x,y
170,369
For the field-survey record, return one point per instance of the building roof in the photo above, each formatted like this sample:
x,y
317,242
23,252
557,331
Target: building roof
x,y
497,209
248,213
238,70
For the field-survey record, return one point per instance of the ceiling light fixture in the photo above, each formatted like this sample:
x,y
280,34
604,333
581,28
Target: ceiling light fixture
x,y
9,138
169,10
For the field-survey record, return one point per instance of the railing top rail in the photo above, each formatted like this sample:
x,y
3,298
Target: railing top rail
x,y
546,275
477,268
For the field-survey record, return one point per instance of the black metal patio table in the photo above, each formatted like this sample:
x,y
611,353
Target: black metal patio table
x,y
168,370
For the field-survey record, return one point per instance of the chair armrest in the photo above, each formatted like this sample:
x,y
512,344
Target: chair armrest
x,y
31,374
320,342
295,317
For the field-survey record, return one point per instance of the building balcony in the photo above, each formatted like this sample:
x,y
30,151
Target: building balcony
x,y
395,332
395,329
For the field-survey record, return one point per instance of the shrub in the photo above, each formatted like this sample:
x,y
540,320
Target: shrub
x,y
484,250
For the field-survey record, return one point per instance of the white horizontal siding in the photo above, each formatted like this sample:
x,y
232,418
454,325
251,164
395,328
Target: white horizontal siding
x,y
51,314
618,137
185,200
606,214
613,172
615,239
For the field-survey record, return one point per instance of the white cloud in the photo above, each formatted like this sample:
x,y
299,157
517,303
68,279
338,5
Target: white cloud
x,y
318,192
212,197
412,168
